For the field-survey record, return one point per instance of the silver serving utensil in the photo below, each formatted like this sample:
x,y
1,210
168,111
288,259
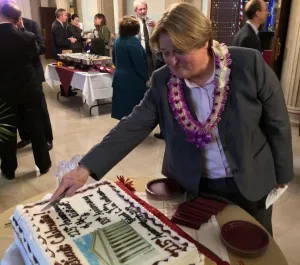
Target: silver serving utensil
x,y
52,204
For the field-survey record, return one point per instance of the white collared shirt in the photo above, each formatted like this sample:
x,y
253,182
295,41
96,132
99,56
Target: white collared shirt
x,y
215,164
253,26
141,34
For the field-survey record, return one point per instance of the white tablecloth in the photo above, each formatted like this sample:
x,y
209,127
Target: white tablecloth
x,y
94,86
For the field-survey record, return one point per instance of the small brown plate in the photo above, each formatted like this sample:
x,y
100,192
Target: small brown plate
x,y
244,238
163,189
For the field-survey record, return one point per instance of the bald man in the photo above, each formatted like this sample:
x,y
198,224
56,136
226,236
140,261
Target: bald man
x,y
256,12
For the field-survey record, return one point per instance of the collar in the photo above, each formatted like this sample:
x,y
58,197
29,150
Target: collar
x,y
191,84
141,19
60,23
253,26
6,23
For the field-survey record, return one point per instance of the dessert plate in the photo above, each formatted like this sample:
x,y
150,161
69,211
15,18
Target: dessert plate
x,y
244,238
163,188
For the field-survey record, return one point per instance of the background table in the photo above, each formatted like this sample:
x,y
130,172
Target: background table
x,y
273,255
94,86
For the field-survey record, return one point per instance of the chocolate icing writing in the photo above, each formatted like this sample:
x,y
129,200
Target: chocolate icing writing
x,y
103,220
69,253
169,246
157,262
53,230
44,242
138,208
127,218
103,196
92,205
68,209
72,231
62,215
142,217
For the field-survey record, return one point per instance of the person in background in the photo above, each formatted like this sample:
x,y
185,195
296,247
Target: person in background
x,y
146,28
101,36
248,36
20,91
131,74
201,99
61,41
68,22
73,30
32,26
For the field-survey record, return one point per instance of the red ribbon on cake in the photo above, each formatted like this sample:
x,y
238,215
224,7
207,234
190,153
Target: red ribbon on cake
x,y
127,183
204,250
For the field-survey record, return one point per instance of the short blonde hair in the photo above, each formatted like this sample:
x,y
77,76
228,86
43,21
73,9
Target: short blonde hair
x,y
187,27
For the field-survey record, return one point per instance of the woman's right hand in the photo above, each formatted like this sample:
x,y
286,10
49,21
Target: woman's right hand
x,y
71,182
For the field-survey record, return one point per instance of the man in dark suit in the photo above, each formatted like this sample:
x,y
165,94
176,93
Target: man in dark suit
x,y
20,90
31,26
242,157
59,33
248,36
60,39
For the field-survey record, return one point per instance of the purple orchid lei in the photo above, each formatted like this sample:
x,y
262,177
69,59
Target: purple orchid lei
x,y
196,132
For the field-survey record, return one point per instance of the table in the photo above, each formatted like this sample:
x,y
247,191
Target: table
x,y
94,86
272,256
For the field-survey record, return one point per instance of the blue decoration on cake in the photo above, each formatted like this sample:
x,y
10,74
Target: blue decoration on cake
x,y
85,244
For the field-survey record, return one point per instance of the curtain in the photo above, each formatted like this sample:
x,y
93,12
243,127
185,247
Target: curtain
x,y
63,4
107,8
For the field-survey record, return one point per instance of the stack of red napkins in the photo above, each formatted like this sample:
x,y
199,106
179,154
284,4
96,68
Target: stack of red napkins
x,y
194,213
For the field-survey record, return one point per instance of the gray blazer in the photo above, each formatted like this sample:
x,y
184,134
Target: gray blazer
x,y
254,129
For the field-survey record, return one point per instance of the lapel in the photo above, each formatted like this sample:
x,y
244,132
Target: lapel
x,y
250,29
224,117
188,100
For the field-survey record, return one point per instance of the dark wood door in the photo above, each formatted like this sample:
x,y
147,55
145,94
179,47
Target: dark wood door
x,y
281,29
225,16
47,15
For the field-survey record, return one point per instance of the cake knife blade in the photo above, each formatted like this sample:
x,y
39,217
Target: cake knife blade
x,y
52,204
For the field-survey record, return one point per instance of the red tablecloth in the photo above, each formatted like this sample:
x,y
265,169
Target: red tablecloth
x,y
65,75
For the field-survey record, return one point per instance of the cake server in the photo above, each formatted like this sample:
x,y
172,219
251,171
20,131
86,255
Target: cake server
x,y
52,204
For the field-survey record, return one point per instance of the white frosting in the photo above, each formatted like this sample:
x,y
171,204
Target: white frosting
x,y
105,228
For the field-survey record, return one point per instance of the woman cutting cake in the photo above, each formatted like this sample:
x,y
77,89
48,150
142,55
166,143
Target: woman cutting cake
x,y
221,111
